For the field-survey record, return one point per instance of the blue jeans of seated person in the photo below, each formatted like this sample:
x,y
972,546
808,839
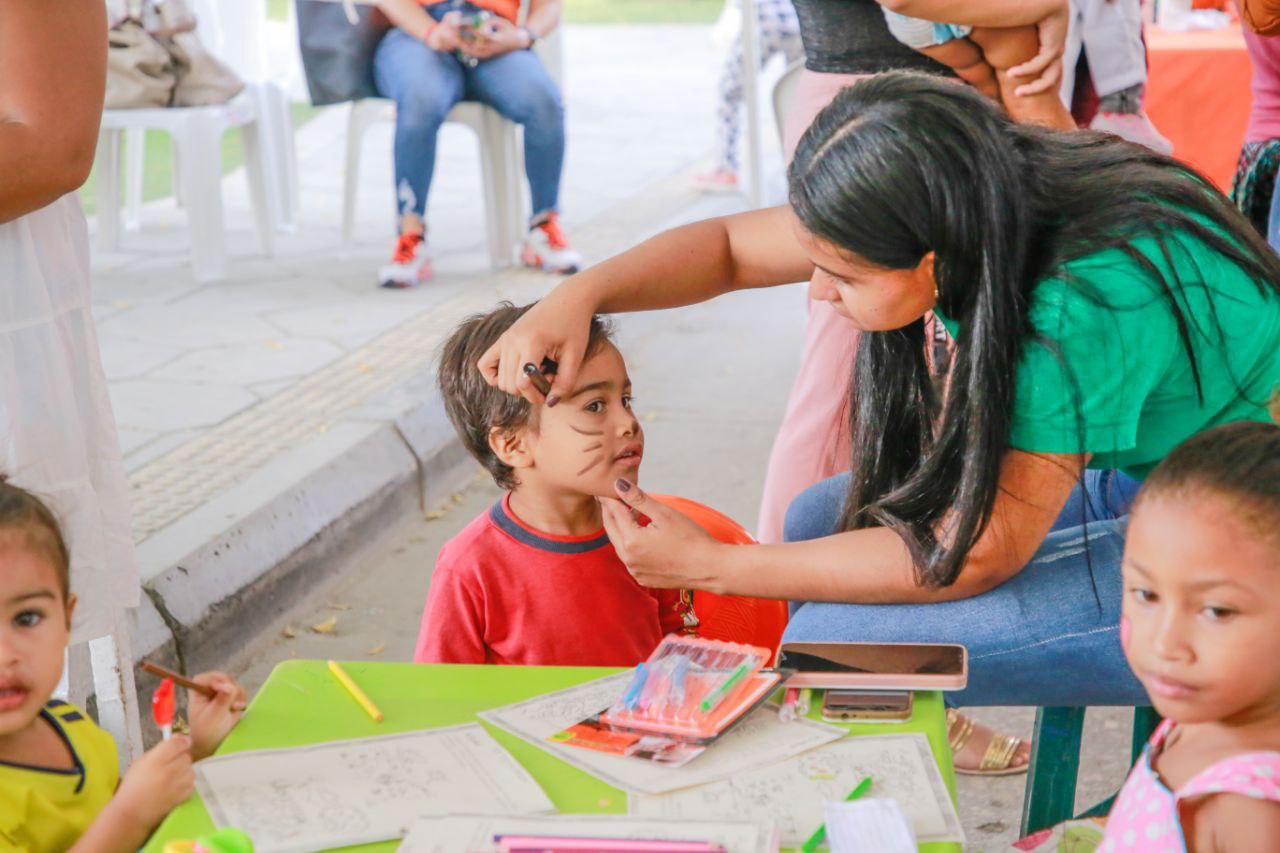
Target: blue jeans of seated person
x,y
426,84
1040,638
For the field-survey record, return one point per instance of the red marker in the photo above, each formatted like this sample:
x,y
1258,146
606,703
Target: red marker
x,y
163,706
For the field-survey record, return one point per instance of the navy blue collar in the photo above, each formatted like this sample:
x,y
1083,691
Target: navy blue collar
x,y
508,525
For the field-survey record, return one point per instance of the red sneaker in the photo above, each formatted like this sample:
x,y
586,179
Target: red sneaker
x,y
546,247
410,263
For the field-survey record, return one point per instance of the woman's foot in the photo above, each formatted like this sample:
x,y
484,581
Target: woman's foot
x,y
547,247
719,180
979,751
410,264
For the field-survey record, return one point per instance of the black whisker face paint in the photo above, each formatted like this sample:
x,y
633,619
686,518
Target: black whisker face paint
x,y
596,446
586,431
593,464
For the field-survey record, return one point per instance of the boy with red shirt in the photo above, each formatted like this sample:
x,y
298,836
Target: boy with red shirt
x,y
534,580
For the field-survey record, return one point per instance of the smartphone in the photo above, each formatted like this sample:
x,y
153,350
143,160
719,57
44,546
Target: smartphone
x,y
866,705
876,666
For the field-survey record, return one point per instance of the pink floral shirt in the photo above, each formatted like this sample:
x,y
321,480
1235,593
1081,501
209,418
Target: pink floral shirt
x,y
1145,815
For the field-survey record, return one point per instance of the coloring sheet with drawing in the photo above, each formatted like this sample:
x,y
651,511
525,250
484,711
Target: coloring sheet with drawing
x,y
760,738
452,834
356,791
792,793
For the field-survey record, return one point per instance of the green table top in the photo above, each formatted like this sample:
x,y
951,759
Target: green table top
x,y
302,703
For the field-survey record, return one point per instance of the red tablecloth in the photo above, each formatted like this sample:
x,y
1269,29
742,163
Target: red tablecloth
x,y
1198,96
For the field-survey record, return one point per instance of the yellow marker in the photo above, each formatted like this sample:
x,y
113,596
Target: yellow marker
x,y
355,691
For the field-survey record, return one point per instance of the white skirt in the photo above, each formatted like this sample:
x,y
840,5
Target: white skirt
x,y
57,431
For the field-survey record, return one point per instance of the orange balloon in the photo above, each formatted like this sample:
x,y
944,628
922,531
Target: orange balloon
x,y
733,618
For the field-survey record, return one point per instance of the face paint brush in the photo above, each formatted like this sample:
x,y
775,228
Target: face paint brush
x,y
539,377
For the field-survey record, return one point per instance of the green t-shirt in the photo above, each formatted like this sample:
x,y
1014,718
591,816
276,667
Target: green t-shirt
x,y
1120,385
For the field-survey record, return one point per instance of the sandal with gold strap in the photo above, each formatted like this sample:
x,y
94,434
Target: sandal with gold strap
x,y
998,758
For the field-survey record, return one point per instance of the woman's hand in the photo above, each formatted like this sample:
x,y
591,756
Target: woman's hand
x,y
213,719
496,37
555,328
444,36
672,552
1046,66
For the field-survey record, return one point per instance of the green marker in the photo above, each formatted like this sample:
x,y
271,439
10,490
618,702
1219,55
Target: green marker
x,y
821,833
715,697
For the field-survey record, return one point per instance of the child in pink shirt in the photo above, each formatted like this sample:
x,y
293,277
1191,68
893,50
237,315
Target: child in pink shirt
x,y
1201,566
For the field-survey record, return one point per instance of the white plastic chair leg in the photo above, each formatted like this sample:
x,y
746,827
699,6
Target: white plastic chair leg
x,y
108,200
256,170
351,178
135,152
281,157
198,148
517,212
493,179
117,696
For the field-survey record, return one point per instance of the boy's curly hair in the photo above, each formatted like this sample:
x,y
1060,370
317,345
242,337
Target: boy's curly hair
x,y
475,407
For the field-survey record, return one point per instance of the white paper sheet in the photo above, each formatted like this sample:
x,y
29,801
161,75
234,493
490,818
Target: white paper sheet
x,y
792,793
875,825
759,739
457,834
356,791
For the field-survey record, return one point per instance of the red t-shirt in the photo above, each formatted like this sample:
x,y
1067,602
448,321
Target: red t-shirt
x,y
505,593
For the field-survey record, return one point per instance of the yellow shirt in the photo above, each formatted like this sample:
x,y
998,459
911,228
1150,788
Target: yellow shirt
x,y
44,808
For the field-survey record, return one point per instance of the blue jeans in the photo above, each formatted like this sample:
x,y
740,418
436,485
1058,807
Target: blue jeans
x,y
426,83
1040,638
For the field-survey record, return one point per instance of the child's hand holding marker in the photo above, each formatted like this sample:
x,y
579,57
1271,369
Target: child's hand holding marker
x,y
212,719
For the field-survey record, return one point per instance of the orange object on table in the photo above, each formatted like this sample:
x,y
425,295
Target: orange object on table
x,y
733,618
1198,96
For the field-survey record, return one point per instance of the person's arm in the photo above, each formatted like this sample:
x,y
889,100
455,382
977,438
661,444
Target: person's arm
x,y
867,566
976,13
1043,72
1231,823
52,84
689,264
155,785
452,629
408,15
543,17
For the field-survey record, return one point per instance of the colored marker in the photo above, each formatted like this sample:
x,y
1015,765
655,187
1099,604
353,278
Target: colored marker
x,y
805,703
556,844
355,691
821,832
716,696
181,680
790,701
632,696
539,377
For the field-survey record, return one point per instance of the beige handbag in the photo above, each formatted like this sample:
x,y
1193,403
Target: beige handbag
x,y
155,60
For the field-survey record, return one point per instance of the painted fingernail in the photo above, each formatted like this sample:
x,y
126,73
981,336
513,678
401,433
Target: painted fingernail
x,y
552,400
623,485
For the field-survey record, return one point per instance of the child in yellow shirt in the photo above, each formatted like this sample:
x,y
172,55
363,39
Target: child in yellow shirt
x,y
60,784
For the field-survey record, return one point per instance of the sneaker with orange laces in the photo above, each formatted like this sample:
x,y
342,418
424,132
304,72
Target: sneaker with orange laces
x,y
546,247
410,263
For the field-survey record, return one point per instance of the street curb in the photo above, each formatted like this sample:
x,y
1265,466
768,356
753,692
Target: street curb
x,y
290,525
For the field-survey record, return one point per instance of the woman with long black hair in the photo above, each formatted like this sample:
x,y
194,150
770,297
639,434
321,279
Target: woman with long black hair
x,y
1106,303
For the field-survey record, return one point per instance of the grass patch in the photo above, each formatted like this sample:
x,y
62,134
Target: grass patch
x,y
157,166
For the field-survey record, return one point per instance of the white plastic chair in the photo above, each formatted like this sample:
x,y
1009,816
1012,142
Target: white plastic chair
x,y
784,92
501,158
197,143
